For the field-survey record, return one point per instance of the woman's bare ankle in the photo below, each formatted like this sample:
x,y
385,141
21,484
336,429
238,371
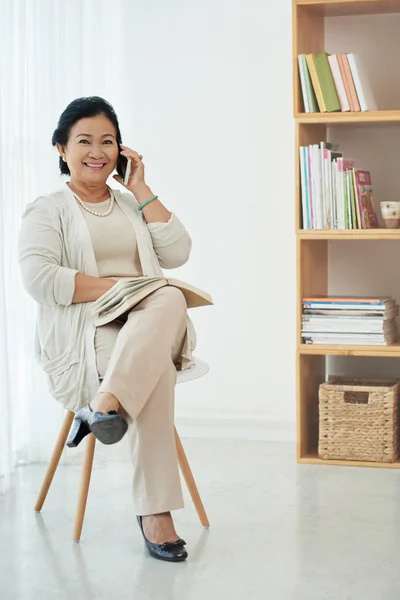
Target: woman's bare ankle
x,y
159,528
104,402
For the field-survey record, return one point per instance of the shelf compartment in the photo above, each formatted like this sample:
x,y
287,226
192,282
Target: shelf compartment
x,y
340,8
313,370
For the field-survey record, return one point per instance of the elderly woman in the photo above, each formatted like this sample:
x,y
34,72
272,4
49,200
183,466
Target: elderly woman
x,y
74,245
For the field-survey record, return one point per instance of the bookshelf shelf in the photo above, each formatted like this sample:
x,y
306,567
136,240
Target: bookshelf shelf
x,y
349,234
313,459
362,118
392,351
313,246
340,8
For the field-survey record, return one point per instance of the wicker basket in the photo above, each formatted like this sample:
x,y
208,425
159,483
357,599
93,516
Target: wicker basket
x,y
358,419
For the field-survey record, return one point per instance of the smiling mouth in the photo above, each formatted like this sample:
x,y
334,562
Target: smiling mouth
x,y
95,167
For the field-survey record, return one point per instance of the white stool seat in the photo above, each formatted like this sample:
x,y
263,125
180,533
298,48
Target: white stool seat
x,y
199,369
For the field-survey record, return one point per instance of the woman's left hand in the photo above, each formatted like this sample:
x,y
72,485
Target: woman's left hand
x,y
136,177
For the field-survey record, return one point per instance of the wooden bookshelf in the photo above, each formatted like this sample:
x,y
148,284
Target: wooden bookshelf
x,y
313,246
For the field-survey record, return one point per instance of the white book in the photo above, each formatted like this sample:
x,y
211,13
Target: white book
x,y
328,195
324,198
337,78
352,337
339,202
329,313
313,174
316,167
346,328
347,323
361,82
347,342
334,202
127,293
350,215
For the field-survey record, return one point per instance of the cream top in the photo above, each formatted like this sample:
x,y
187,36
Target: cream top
x,y
114,241
54,245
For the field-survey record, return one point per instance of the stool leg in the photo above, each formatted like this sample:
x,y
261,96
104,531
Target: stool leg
x,y
84,488
190,482
55,459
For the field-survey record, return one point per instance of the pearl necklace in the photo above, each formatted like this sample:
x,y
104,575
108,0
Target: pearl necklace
x,y
93,212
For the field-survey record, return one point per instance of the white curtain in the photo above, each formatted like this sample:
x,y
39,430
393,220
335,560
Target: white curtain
x,y
50,53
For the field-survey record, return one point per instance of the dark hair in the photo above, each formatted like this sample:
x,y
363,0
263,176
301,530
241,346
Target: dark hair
x,y
82,108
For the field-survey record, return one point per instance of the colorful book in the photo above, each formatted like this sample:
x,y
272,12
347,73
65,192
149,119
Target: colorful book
x,y
347,302
383,313
334,194
322,72
339,83
304,188
352,198
309,98
345,165
365,199
348,81
316,83
335,82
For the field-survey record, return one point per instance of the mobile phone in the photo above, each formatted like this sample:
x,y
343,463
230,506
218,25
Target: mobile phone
x,y
124,168
127,171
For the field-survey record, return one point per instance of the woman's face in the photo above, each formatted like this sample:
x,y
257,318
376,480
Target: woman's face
x,y
92,150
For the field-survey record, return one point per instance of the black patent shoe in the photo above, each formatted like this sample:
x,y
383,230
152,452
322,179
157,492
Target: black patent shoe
x,y
108,428
170,551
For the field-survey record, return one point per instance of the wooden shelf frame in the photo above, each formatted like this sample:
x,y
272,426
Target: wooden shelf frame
x,y
349,234
313,459
342,8
376,117
313,246
392,351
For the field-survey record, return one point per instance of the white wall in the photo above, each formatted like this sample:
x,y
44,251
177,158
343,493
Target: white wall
x,y
211,90
213,117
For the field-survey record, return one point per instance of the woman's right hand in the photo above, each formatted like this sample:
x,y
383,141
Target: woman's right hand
x,y
90,289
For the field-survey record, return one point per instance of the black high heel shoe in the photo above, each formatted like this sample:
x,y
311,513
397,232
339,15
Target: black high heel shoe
x,y
108,428
170,551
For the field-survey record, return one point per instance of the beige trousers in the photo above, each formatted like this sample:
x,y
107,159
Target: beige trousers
x,y
136,360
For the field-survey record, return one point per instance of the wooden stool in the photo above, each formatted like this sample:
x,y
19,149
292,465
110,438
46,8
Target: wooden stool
x,y
199,369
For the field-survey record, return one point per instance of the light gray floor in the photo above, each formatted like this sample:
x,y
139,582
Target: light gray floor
x,y
279,532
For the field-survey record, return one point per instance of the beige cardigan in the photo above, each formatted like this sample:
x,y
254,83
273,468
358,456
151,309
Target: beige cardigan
x,y
54,245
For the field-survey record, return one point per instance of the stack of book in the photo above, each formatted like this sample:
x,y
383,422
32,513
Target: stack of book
x,y
349,320
334,193
334,82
